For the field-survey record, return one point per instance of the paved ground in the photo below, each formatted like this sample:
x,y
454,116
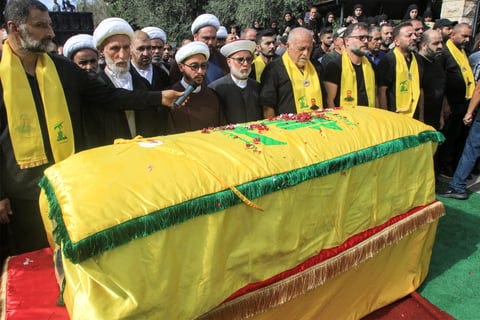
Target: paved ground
x,y
474,184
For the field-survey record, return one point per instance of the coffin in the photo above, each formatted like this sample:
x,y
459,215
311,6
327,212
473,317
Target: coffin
x,y
324,215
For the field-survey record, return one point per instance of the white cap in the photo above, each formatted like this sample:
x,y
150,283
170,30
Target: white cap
x,y
110,27
204,20
222,33
237,45
155,33
190,49
78,42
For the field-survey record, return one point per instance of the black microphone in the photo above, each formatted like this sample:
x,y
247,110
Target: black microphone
x,y
186,93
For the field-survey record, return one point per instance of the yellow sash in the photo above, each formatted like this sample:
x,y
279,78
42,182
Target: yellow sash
x,y
407,86
306,85
462,61
259,67
348,85
23,122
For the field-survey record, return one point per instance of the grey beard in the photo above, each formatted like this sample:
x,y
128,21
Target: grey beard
x,y
430,54
35,46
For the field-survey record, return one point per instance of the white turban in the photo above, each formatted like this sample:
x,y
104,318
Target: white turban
x,y
204,20
222,33
190,49
155,33
237,45
78,42
110,27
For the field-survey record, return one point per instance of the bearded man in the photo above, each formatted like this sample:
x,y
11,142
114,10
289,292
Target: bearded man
x,y
113,38
433,77
202,110
238,94
44,101
350,79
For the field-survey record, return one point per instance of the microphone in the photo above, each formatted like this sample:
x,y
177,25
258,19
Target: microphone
x,y
186,93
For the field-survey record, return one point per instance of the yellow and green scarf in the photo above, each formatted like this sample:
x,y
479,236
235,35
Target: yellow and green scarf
x,y
348,85
23,122
407,86
306,85
462,61
259,67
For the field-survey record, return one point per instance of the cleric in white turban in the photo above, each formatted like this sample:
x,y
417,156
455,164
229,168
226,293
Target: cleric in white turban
x,y
237,45
155,33
204,20
190,49
110,27
78,42
222,33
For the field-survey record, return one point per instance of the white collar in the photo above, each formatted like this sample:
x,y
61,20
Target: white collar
x,y
240,83
185,85
145,73
120,80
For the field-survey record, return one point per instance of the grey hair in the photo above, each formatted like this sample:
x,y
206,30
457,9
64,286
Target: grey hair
x,y
18,11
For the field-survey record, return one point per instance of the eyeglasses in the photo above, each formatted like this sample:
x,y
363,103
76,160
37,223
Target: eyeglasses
x,y
196,67
362,38
241,60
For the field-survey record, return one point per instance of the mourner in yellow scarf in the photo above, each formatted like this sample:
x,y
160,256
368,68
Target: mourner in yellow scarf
x,y
23,121
348,85
306,86
407,86
259,67
462,61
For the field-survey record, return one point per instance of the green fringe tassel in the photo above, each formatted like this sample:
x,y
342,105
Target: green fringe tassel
x,y
158,220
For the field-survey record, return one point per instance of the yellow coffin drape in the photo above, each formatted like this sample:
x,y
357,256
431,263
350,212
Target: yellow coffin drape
x,y
336,175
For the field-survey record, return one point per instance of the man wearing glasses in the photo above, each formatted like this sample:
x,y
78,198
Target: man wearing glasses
x,y
237,92
350,79
202,110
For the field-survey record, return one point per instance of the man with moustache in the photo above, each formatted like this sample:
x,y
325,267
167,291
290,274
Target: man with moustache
x,y
45,99
113,38
81,50
386,32
202,109
291,84
458,91
156,79
204,28
350,80
158,40
398,74
238,94
374,53
266,52
433,76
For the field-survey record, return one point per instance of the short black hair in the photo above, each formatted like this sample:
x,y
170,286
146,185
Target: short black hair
x,y
264,33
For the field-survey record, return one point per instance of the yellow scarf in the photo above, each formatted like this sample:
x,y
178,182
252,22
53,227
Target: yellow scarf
x,y
462,61
259,67
306,85
407,86
348,85
23,122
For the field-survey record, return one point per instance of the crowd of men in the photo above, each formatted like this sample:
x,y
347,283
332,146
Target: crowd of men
x,y
128,86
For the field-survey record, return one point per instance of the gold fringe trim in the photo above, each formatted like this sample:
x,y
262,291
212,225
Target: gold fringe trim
x,y
3,290
285,290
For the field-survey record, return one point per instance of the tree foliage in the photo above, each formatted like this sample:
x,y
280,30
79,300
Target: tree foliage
x,y
176,16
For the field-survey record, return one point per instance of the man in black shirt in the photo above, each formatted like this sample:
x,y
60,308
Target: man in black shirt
x,y
345,74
